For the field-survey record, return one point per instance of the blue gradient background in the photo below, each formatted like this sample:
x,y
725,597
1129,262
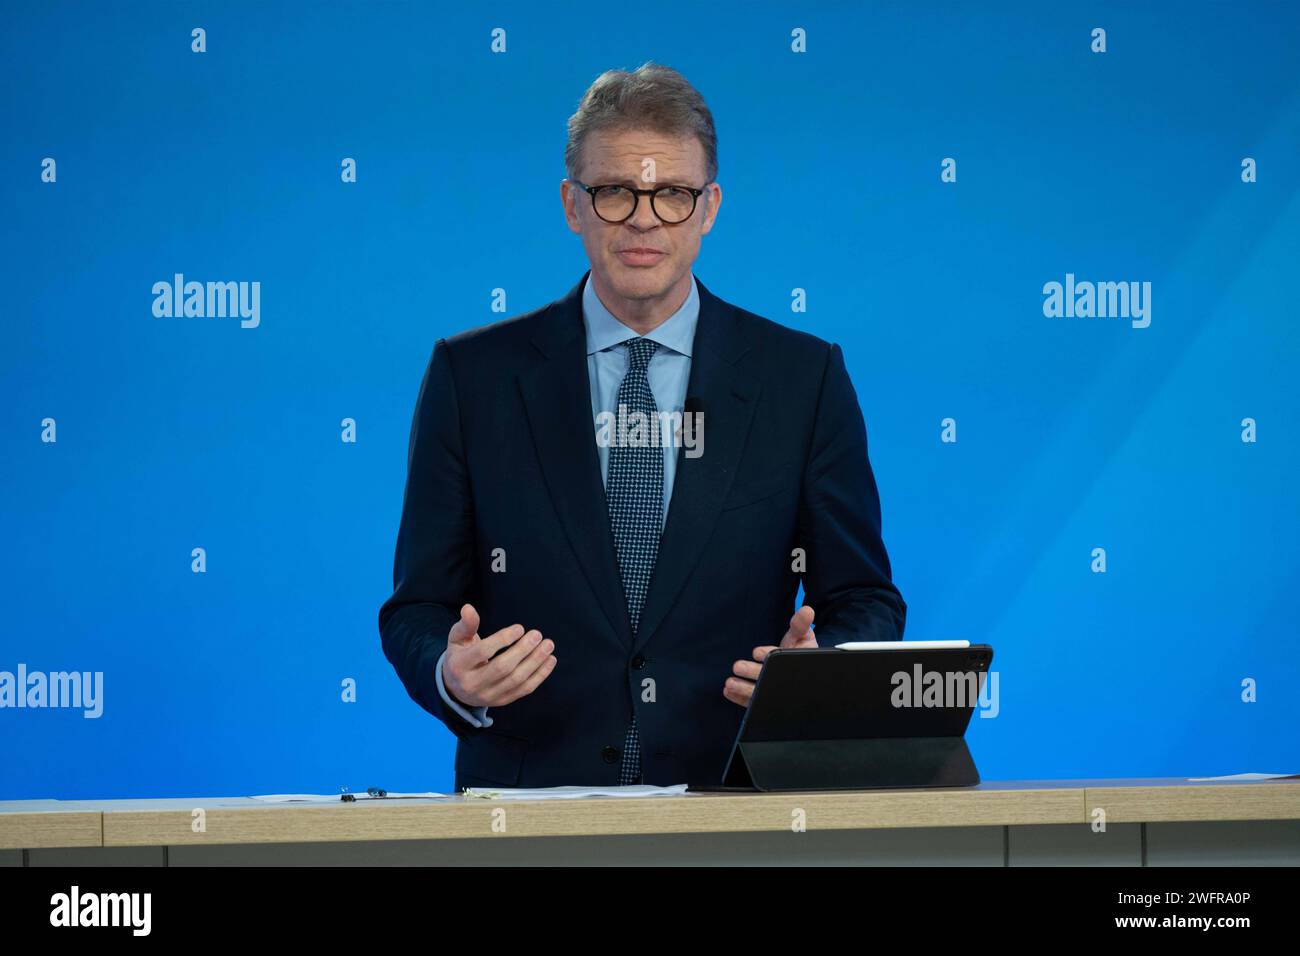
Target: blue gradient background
x,y
1073,434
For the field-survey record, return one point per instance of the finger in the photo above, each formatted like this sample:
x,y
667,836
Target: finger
x,y
499,640
472,664
746,669
800,627
515,665
463,632
738,691
501,664
802,621
534,680
760,653
808,640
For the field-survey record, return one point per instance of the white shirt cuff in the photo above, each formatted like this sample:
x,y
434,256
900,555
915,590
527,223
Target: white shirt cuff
x,y
478,716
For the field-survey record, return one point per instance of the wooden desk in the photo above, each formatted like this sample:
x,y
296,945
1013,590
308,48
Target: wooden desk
x,y
1147,822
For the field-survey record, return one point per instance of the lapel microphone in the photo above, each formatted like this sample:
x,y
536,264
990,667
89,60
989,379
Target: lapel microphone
x,y
692,411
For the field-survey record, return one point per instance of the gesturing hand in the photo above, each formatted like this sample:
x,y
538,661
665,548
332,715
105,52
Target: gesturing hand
x,y
493,671
740,688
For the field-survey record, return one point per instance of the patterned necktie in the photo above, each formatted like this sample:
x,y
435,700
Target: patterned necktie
x,y
634,490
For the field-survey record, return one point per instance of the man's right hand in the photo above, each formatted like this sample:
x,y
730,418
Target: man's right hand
x,y
494,671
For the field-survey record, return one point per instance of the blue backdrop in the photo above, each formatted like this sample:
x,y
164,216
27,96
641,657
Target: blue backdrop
x,y
1072,434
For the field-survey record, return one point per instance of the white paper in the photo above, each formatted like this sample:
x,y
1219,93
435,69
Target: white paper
x,y
896,645
333,798
569,793
1246,776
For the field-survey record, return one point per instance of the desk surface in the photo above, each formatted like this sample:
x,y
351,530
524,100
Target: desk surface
x,y
32,824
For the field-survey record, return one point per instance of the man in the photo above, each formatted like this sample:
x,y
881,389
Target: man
x,y
661,563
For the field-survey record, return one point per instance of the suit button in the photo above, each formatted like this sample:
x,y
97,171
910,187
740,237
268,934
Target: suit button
x,y
611,754
638,662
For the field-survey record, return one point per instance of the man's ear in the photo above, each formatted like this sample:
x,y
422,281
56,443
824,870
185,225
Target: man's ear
x,y
568,197
713,199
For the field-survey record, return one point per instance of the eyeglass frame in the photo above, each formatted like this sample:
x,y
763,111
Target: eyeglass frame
x,y
636,199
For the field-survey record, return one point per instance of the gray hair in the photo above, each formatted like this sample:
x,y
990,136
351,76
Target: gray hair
x,y
652,97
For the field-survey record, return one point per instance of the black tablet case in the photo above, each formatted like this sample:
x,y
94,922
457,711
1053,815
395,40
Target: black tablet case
x,y
822,719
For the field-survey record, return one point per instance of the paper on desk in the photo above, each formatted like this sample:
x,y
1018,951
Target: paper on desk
x,y
1247,776
569,793
333,798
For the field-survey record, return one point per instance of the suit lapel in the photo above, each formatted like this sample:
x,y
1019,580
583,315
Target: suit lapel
x,y
726,400
557,398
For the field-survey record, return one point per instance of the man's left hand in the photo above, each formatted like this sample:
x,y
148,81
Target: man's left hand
x,y
739,688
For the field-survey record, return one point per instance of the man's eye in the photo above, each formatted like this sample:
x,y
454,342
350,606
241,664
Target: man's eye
x,y
612,190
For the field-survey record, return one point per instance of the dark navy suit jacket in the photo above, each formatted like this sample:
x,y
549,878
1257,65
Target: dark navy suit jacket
x,y
503,455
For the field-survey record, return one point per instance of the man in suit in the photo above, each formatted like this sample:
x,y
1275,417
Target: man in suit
x,y
660,562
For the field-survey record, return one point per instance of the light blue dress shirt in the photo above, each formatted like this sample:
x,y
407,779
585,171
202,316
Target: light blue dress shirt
x,y
668,373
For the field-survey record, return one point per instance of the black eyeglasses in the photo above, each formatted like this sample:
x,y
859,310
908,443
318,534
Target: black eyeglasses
x,y
617,203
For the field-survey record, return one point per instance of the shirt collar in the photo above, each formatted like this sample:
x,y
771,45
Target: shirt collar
x,y
604,331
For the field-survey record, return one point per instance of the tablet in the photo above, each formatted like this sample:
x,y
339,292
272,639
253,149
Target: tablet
x,y
828,718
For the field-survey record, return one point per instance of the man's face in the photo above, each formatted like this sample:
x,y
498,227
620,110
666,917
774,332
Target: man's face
x,y
642,257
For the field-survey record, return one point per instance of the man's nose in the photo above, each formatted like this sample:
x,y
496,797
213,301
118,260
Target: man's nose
x,y
644,217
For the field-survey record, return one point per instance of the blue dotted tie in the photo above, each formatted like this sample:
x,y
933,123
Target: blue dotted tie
x,y
634,490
